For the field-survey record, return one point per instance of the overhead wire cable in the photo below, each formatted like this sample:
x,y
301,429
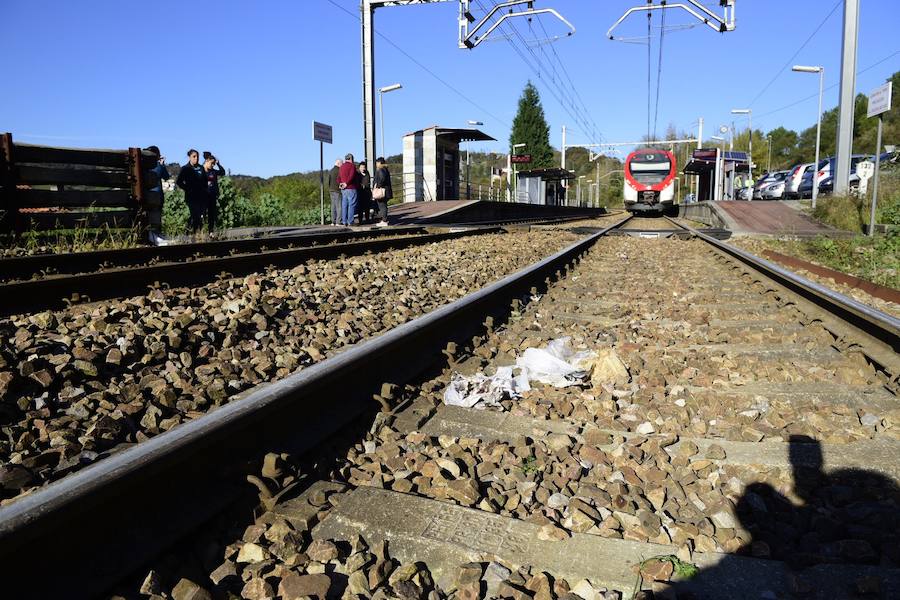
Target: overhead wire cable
x,y
537,66
800,49
830,87
662,33
595,133
649,67
425,68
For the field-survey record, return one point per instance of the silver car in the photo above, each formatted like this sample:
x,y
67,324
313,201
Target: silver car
x,y
762,183
774,191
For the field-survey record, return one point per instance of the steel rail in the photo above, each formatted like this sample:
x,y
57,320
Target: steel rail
x,y
54,293
879,327
80,535
26,267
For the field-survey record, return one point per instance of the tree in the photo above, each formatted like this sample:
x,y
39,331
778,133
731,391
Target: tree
x,y
530,128
784,144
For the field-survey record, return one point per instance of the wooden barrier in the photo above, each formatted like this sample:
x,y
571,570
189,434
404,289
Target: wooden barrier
x,y
44,188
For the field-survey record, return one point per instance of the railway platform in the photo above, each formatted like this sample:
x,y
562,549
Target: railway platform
x,y
467,212
772,218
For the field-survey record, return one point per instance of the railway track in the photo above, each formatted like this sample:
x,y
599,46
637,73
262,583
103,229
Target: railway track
x,y
742,423
56,292
18,268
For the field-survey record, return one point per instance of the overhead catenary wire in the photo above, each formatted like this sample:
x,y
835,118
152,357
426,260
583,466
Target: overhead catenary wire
x,y
649,66
536,65
662,34
594,133
441,80
830,87
794,55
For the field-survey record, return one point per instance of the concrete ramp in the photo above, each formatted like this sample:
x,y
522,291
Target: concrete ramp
x,y
471,212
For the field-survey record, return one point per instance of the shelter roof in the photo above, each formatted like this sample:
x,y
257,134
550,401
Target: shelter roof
x,y
457,134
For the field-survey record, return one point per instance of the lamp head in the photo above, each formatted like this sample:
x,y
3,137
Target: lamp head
x,y
390,88
806,69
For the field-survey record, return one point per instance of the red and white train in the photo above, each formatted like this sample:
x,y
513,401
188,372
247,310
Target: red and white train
x,y
649,180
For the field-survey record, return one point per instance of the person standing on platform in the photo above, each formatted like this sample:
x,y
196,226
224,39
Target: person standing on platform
x,y
348,178
192,180
382,191
212,170
162,173
364,198
334,191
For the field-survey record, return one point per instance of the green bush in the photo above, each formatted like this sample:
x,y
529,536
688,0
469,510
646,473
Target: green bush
x,y
874,258
265,209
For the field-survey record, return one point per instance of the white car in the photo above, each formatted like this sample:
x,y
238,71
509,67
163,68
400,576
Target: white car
x,y
793,179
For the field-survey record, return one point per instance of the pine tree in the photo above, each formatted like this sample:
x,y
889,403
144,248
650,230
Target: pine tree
x,y
530,128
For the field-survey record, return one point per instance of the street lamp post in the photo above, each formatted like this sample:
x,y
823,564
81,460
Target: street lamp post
x,y
381,93
821,72
769,154
468,183
749,113
515,170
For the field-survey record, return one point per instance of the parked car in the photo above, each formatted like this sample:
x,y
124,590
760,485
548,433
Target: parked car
x,y
804,190
774,191
793,179
826,179
761,183
772,180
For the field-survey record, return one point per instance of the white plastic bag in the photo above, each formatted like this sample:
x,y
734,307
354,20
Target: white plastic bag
x,y
557,364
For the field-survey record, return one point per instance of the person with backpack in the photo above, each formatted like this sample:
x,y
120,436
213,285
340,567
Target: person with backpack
x,y
192,180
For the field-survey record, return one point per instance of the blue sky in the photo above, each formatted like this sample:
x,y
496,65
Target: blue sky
x,y
245,79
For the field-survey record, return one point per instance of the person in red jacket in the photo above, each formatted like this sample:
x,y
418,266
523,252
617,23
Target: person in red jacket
x,y
348,179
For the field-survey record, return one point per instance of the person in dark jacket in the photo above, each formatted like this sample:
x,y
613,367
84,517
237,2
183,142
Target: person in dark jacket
x,y
163,174
364,197
382,182
192,180
348,178
334,190
212,170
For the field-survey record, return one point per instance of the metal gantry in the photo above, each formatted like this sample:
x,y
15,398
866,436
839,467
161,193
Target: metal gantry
x,y
721,24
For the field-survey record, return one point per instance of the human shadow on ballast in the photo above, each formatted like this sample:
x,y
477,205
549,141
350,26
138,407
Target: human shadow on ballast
x,y
841,541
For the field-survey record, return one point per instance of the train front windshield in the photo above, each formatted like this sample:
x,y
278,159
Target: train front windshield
x,y
650,169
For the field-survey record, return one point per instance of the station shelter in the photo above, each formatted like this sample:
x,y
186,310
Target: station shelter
x,y
543,186
431,165
719,173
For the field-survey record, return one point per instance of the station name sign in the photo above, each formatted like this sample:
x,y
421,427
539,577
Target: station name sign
x,y
321,132
880,99
520,158
704,154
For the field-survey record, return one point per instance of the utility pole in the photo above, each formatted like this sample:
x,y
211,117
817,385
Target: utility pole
x,y
847,98
563,153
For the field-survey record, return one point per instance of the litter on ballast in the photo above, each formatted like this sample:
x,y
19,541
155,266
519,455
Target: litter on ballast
x,y
481,391
556,364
